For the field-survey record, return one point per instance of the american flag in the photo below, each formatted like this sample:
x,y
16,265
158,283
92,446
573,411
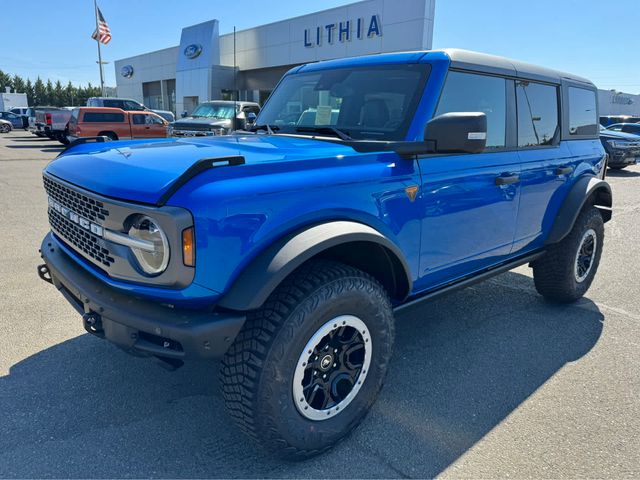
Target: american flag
x,y
103,32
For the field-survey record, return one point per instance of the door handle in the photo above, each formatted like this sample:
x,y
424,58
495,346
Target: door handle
x,y
507,179
563,171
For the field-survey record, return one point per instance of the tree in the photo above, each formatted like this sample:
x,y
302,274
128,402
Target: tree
x,y
18,84
40,93
49,90
30,92
58,95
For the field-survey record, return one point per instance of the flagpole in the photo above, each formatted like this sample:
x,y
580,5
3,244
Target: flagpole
x,y
95,8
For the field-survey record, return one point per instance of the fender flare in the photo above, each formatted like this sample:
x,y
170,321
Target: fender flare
x,y
265,272
588,189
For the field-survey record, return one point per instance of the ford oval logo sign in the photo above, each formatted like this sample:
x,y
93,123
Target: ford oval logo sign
x,y
193,50
126,71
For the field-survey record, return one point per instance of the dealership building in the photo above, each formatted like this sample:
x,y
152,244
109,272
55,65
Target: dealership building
x,y
201,68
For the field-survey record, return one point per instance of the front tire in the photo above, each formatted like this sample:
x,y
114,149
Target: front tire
x,y
566,271
308,364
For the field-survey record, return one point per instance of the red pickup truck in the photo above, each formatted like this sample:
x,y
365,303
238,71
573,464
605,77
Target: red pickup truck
x,y
115,123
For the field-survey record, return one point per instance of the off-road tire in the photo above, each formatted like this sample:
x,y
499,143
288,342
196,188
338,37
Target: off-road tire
x,y
554,274
257,371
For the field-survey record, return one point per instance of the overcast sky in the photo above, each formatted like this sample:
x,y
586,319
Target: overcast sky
x,y
593,38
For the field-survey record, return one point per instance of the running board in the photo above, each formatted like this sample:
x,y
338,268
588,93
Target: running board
x,y
468,281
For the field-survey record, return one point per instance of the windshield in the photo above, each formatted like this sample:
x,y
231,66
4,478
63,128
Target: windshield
x,y
366,103
212,110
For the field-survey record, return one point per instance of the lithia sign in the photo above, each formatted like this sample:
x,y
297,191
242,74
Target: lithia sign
x,y
347,30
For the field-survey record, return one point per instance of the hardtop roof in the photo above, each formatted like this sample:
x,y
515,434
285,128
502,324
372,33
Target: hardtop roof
x,y
459,58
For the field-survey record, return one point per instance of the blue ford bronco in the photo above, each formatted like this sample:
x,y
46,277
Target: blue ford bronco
x,y
285,250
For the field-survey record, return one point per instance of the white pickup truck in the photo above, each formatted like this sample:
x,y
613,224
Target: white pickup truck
x,y
52,122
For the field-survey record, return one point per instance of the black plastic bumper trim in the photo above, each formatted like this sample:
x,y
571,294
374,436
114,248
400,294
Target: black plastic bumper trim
x,y
122,317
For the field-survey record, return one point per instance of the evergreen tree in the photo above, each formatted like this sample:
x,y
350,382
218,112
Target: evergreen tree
x,y
39,93
58,95
49,93
18,84
30,92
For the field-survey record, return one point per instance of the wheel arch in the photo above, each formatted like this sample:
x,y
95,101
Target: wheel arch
x,y
109,133
588,190
352,243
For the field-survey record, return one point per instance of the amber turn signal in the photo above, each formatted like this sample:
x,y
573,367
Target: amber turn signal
x,y
188,247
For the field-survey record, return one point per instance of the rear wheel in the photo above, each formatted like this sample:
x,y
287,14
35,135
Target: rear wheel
x,y
110,135
566,271
308,365
617,167
5,128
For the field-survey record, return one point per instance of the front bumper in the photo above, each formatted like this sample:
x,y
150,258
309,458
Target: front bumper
x,y
622,158
140,327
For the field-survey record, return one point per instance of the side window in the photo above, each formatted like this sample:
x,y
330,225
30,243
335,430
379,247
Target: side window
x,y
97,117
582,112
152,120
129,105
112,103
616,128
470,92
537,114
138,119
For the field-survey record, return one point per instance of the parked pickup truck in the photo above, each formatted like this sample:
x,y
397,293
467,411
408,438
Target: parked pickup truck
x,y
115,124
286,250
52,122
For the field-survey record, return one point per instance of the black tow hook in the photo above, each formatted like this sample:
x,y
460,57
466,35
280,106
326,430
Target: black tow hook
x,y
44,273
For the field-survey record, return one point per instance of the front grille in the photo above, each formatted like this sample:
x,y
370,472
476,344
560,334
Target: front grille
x,y
195,127
81,204
80,238
83,240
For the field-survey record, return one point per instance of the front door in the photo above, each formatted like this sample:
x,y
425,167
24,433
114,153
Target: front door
x,y
146,125
469,202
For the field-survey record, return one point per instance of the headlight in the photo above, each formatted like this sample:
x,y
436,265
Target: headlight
x,y
219,131
152,252
618,144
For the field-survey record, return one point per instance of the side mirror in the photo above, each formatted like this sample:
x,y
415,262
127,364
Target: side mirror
x,y
184,114
251,118
457,132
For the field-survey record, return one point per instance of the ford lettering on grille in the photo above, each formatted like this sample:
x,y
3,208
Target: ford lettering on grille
x,y
75,218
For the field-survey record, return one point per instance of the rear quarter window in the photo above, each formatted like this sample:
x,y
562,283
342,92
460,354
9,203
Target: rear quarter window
x,y
582,112
100,117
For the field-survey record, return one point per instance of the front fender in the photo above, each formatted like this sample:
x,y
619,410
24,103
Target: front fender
x,y
261,277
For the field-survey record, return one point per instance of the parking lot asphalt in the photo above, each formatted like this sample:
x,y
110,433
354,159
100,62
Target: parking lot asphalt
x,y
488,382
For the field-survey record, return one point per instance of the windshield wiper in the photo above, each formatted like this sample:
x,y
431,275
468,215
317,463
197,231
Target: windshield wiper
x,y
269,128
330,130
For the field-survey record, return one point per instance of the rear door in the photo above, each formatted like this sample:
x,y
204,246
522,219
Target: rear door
x,y
547,163
470,201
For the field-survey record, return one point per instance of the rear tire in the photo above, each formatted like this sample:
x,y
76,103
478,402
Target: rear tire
x,y
325,335
4,128
110,135
565,272
617,167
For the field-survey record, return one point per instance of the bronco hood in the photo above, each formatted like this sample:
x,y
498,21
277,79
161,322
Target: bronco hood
x,y
143,171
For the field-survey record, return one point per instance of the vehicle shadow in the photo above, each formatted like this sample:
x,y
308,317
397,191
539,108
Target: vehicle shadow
x,y
31,138
622,173
462,364
42,148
